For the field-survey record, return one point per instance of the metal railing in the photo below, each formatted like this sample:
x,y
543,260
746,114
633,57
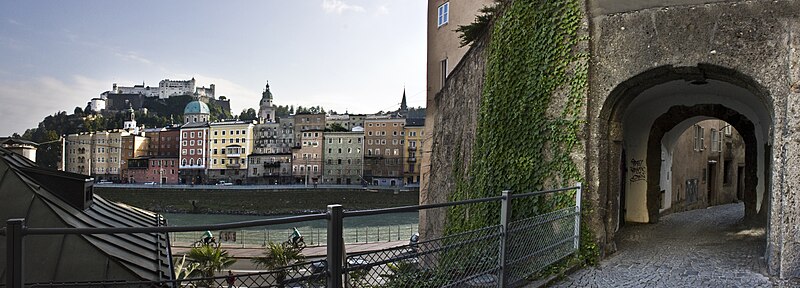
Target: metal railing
x,y
502,255
254,238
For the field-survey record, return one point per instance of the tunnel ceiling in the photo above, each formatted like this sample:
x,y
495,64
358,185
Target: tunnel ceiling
x,y
658,99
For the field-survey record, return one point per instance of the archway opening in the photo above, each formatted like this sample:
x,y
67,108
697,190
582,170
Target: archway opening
x,y
641,121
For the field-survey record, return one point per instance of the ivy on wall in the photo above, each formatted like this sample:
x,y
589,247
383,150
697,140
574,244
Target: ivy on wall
x,y
530,117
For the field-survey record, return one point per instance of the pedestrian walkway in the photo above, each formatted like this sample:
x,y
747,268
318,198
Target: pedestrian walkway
x,y
699,248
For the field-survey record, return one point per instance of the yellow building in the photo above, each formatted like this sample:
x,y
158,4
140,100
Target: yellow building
x,y
414,132
229,144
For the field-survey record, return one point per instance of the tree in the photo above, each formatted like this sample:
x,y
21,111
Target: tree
x,y
276,258
210,259
336,127
248,115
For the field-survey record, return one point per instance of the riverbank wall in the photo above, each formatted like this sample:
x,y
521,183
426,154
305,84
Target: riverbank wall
x,y
254,201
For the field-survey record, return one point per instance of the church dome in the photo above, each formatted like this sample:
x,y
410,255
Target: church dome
x,y
196,107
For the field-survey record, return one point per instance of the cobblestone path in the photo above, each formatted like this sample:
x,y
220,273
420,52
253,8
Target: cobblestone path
x,y
699,248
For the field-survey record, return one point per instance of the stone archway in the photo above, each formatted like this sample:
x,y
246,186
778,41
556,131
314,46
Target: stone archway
x,y
668,96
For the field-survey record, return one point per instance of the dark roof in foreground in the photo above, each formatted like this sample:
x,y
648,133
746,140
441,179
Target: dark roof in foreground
x,y
147,255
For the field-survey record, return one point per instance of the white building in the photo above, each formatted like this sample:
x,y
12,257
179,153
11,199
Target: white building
x,y
147,91
97,104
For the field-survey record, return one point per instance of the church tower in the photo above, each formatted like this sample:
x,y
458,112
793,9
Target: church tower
x,y
403,111
130,124
266,112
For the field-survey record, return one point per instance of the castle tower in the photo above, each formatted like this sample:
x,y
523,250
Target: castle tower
x,y
266,112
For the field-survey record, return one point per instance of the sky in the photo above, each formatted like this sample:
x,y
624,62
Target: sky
x,y
345,55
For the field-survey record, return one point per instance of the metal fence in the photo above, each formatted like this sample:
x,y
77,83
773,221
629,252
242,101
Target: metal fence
x,y
502,255
245,238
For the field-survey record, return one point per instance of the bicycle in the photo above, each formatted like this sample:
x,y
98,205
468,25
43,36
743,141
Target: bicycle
x,y
300,244
200,243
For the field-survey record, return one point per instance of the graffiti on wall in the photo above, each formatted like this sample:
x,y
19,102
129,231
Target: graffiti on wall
x,y
638,171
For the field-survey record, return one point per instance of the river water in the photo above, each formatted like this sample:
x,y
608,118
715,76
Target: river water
x,y
387,227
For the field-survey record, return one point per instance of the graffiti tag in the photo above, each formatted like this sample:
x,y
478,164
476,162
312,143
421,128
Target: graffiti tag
x,y
638,171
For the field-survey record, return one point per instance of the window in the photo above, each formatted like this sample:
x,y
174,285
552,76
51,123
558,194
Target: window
x,y
443,65
716,143
698,138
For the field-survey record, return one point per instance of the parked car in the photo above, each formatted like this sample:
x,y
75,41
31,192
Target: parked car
x,y
223,183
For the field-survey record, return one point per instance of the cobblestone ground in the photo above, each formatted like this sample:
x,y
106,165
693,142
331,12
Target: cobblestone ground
x,y
699,248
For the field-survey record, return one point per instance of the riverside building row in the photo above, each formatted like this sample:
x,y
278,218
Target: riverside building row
x,y
295,149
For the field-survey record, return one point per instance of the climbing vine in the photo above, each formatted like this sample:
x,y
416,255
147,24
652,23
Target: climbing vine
x,y
530,117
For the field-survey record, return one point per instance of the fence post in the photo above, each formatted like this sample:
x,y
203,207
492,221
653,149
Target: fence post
x,y
578,193
15,232
505,217
335,246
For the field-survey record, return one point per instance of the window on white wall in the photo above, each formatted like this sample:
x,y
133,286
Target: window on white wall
x,y
443,14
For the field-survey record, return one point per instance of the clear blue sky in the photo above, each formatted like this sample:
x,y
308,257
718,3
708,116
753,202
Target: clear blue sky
x,y
340,54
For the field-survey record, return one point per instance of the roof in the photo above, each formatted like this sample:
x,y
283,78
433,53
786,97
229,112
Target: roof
x,y
195,125
146,255
196,107
231,122
15,142
415,122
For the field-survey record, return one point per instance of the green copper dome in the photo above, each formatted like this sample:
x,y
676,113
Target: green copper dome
x,y
196,107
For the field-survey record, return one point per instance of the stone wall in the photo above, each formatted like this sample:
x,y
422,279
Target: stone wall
x,y
454,134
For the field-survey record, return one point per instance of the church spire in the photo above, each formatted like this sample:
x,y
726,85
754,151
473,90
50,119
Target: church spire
x,y
403,105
